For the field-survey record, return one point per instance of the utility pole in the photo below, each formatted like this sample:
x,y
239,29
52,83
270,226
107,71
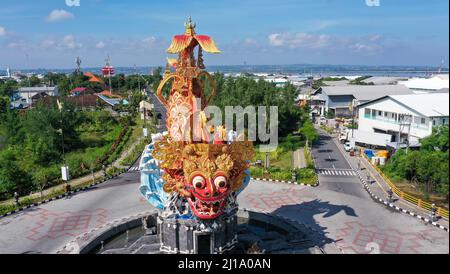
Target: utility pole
x,y
28,78
352,109
78,62
404,121
138,77
64,168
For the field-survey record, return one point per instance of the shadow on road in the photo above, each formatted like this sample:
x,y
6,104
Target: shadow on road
x,y
305,214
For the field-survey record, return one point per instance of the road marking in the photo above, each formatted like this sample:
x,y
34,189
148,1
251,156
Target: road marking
x,y
336,172
135,168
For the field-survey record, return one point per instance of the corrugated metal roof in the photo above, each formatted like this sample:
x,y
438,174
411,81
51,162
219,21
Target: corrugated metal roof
x,y
430,105
36,89
383,80
367,93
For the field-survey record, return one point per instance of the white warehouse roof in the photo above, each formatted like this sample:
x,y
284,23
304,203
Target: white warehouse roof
x,y
437,82
429,105
366,93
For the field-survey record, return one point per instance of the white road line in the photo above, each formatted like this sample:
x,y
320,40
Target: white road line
x,y
336,172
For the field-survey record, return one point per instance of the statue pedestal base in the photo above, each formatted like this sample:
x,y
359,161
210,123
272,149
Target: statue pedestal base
x,y
197,237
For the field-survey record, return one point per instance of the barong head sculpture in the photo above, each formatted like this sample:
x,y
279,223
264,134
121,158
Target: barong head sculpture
x,y
207,171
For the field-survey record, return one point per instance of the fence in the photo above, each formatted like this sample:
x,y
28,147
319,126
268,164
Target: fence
x,y
405,196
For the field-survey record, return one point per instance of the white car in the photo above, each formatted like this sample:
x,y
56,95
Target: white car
x,y
322,120
347,146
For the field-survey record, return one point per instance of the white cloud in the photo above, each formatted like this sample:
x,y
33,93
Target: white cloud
x,y
17,45
149,42
69,42
301,40
47,43
250,42
58,15
276,40
2,31
100,45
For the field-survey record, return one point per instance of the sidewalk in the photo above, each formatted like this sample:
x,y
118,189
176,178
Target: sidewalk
x,y
379,187
299,158
126,153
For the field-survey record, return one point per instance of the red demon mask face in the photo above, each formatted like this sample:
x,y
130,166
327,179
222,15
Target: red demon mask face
x,y
205,174
208,194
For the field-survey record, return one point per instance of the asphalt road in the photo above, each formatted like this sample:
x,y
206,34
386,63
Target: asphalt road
x,y
328,157
48,227
339,212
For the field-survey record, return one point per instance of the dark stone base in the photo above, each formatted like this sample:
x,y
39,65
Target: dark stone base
x,y
197,237
247,232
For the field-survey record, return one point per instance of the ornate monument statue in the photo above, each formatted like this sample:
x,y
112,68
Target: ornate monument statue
x,y
190,173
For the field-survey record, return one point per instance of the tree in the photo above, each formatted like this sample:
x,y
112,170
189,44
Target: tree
x,y
32,81
41,126
12,176
438,140
427,167
309,132
11,122
4,106
8,87
156,78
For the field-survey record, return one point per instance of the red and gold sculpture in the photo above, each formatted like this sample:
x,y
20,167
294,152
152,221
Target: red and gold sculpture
x,y
204,171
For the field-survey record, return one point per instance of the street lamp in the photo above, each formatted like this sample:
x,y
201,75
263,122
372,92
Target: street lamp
x,y
64,169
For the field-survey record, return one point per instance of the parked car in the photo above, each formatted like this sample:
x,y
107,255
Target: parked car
x,y
347,146
322,120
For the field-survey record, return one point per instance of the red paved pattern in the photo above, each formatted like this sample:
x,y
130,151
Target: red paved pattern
x,y
54,224
271,201
358,238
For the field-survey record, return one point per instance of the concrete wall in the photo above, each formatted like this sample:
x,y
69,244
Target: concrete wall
x,y
370,118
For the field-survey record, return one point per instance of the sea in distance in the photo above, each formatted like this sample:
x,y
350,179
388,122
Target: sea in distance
x,y
300,70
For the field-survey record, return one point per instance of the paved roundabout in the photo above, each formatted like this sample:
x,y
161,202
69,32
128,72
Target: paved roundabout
x,y
345,223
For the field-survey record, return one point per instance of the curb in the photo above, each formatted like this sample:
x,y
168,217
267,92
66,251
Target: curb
x,y
64,195
108,224
399,209
286,182
391,205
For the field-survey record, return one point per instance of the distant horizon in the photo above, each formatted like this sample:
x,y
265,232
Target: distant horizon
x,y
444,68
50,34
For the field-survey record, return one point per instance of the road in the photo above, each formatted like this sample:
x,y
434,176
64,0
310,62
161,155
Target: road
x,y
48,227
336,172
339,212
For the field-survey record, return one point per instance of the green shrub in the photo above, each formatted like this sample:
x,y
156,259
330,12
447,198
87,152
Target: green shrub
x,y
256,172
7,208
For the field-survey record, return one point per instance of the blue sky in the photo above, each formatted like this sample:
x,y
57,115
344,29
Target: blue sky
x,y
397,32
